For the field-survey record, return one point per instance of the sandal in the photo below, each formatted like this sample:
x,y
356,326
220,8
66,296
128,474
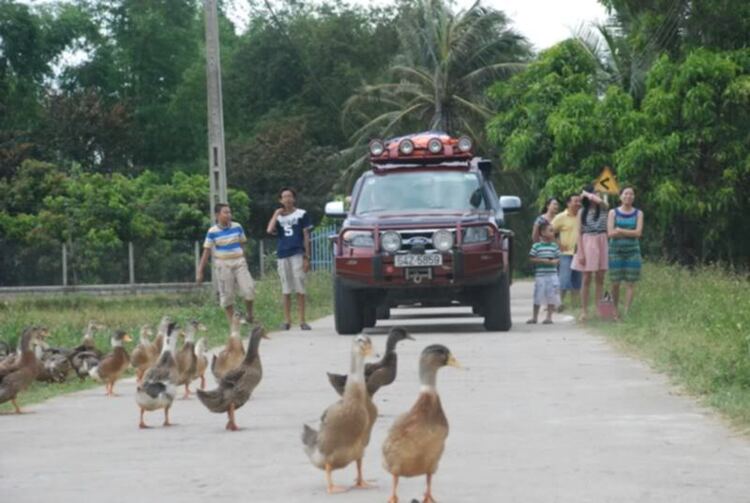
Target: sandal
x,y
547,322
305,326
531,321
285,326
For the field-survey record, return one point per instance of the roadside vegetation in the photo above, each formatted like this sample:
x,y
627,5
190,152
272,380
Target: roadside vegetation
x,y
66,318
695,326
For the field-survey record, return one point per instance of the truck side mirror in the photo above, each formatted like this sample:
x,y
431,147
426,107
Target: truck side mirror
x,y
510,204
335,209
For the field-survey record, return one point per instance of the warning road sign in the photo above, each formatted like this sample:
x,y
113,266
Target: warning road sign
x,y
607,182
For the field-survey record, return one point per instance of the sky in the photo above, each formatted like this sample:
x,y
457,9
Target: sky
x,y
543,22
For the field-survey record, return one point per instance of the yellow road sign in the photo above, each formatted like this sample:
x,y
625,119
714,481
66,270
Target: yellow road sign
x,y
606,182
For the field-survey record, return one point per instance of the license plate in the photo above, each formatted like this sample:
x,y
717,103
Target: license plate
x,y
433,259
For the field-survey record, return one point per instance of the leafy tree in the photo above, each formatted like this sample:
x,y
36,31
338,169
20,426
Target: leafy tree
x,y
438,79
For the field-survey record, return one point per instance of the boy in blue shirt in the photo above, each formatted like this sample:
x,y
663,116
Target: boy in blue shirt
x,y
292,226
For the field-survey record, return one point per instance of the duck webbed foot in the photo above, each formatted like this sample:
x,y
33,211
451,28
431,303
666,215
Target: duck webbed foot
x,y
428,493
361,483
330,486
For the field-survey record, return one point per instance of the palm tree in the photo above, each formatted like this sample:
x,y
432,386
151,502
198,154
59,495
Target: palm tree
x,y
439,78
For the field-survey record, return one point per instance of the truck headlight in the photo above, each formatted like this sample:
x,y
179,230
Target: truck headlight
x,y
442,240
359,239
390,241
476,235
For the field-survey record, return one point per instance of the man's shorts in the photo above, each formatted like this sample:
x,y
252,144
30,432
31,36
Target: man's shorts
x,y
547,290
570,279
234,278
292,274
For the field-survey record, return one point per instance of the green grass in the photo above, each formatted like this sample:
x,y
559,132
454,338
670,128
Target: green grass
x,y
694,326
66,318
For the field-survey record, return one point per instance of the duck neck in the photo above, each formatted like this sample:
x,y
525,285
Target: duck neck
x,y
427,378
116,343
25,345
252,348
357,368
390,345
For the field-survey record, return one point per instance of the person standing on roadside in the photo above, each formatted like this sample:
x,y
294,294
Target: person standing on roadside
x,y
551,207
224,241
292,226
545,255
624,227
592,255
568,227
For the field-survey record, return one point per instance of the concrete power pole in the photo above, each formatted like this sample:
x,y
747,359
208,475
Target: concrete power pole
x,y
217,170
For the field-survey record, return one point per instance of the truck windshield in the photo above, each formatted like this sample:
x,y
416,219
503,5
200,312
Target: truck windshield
x,y
439,190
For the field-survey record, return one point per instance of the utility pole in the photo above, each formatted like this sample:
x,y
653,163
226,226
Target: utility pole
x,y
217,170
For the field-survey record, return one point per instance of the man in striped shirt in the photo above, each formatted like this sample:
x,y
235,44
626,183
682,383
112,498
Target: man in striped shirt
x,y
545,255
224,241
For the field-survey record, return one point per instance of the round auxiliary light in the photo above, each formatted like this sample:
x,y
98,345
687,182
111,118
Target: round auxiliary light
x,y
390,241
464,144
435,146
406,147
442,240
377,147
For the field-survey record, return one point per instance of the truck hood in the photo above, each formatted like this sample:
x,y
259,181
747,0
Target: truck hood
x,y
419,219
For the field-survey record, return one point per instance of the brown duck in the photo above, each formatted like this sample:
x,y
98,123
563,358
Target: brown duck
x,y
233,353
380,373
111,367
416,440
17,375
144,354
342,435
187,360
238,384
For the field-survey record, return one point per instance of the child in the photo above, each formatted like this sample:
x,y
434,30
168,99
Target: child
x,y
545,254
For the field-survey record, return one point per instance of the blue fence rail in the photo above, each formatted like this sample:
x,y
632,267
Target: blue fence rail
x,y
322,249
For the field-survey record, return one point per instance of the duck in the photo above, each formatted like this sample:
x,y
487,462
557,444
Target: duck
x,y
15,377
111,367
159,386
144,354
161,334
187,360
53,364
340,438
415,441
237,385
380,373
201,361
233,353
86,356
87,341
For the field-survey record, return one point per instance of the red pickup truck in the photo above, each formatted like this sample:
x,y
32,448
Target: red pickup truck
x,y
425,227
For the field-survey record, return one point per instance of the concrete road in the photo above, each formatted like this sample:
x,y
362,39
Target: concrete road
x,y
544,414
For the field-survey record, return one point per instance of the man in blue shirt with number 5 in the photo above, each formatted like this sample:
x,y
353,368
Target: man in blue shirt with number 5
x,y
292,226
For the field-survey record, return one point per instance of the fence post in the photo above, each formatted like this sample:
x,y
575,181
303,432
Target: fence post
x,y
131,265
261,257
65,264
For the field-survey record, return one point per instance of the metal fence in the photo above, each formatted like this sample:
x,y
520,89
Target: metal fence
x,y
74,264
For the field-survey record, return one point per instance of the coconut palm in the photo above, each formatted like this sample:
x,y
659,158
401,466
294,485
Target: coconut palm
x,y
438,79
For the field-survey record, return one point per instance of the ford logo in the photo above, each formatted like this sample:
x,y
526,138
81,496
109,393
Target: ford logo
x,y
419,240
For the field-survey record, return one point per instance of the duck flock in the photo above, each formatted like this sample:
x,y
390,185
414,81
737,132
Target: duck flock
x,y
413,446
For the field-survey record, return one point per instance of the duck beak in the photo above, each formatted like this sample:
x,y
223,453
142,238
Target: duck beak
x,y
127,338
264,335
408,336
452,362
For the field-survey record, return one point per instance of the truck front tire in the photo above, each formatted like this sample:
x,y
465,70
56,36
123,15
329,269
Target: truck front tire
x,y
347,309
497,306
